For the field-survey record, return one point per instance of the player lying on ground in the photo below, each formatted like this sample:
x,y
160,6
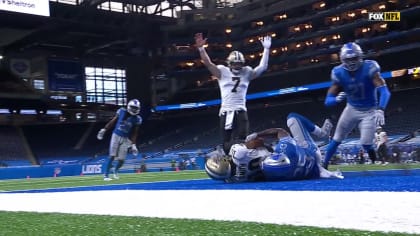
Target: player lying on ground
x,y
294,156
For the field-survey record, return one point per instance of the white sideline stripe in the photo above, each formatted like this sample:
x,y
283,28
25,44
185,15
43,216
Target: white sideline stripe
x,y
90,186
98,178
373,211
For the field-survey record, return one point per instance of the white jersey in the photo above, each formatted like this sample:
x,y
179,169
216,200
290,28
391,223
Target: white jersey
x,y
381,138
233,88
242,153
243,158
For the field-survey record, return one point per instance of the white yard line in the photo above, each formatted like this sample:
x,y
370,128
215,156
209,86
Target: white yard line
x,y
373,211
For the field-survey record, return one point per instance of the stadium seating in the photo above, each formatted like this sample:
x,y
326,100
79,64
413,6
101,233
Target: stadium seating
x,y
12,149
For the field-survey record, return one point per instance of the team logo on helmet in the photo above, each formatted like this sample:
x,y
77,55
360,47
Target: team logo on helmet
x,y
277,159
351,55
218,168
133,107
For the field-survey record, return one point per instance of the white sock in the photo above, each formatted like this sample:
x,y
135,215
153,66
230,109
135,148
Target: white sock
x,y
318,132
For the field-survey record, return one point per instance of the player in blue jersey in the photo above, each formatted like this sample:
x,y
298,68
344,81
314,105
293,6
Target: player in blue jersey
x,y
126,123
293,157
358,81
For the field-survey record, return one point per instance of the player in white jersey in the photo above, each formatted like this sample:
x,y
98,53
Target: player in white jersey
x,y
233,83
295,156
126,123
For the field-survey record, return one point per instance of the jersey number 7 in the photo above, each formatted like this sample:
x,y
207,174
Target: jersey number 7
x,y
237,79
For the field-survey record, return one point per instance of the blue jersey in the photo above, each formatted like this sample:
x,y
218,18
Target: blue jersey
x,y
126,123
302,162
358,85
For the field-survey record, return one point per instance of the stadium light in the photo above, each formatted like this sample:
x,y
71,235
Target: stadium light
x,y
260,23
4,111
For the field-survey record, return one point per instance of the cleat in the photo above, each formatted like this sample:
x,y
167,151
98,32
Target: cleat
x,y
115,175
107,179
337,174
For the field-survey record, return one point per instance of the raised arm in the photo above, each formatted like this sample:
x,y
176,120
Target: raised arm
x,y
266,43
199,43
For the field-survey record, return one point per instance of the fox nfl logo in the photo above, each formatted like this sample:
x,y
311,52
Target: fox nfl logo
x,y
384,16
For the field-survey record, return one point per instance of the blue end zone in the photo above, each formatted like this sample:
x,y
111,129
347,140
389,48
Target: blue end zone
x,y
389,180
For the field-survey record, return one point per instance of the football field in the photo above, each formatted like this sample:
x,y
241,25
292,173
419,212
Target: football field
x,y
366,202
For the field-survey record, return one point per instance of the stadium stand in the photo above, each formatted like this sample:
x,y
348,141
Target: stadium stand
x,y
12,149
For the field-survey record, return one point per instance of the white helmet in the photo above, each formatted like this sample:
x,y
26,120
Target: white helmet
x,y
133,107
235,61
351,55
218,168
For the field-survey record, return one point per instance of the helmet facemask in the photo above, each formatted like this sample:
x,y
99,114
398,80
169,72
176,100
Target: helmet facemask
x,y
352,63
236,67
351,55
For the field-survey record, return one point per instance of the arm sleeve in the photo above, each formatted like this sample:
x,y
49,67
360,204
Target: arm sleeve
x,y
384,96
330,100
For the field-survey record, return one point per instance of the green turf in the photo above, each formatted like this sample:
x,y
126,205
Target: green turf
x,y
23,223
45,224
